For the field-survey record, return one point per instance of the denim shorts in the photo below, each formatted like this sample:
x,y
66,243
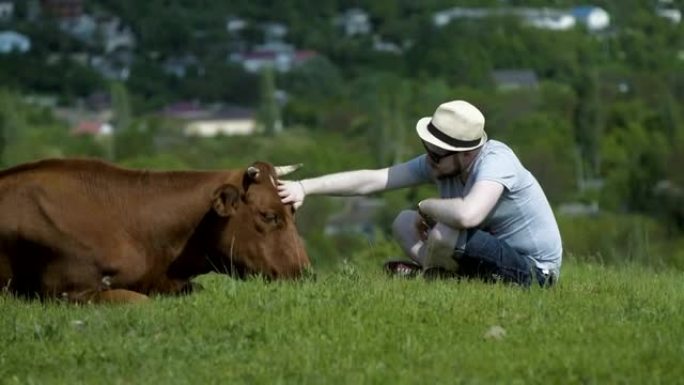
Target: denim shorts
x,y
491,259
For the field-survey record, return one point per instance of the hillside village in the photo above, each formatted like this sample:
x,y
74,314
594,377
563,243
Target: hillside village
x,y
109,47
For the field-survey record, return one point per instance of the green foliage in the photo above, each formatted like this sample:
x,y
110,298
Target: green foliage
x,y
619,239
269,110
541,140
64,78
136,138
632,157
30,133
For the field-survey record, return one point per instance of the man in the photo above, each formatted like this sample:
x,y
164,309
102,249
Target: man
x,y
492,221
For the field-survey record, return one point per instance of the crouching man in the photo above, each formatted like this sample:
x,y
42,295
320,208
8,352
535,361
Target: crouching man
x,y
492,220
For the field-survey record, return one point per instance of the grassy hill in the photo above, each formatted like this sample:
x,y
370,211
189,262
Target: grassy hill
x,y
353,325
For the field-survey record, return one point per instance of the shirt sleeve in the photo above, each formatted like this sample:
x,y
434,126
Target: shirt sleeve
x,y
420,169
498,167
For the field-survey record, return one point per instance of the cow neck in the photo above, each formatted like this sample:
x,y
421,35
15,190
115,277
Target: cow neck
x,y
189,249
176,204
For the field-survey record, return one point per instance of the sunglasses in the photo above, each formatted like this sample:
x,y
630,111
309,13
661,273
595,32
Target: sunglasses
x,y
437,157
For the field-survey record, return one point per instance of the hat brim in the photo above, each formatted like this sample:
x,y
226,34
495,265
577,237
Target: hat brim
x,y
425,135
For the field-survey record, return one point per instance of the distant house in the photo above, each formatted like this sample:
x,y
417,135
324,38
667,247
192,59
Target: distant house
x,y
99,101
512,79
86,121
235,24
380,45
354,21
11,41
180,66
672,14
115,35
83,27
105,31
6,10
63,9
115,66
274,32
547,18
594,18
544,18
279,56
444,17
92,127
212,121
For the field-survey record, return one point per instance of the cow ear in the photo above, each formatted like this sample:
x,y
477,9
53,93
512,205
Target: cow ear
x,y
226,200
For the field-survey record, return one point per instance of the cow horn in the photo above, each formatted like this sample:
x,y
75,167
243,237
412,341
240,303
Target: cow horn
x,y
253,172
284,170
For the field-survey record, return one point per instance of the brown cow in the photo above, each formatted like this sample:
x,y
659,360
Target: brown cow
x,y
85,230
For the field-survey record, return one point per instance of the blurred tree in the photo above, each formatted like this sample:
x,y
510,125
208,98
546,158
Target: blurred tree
x,y
385,99
588,125
634,158
28,132
545,145
269,109
121,121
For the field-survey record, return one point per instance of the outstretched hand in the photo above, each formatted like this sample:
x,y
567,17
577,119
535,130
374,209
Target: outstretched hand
x,y
291,192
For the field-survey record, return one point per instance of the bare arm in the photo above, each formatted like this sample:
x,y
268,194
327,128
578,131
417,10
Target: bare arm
x,y
466,212
357,182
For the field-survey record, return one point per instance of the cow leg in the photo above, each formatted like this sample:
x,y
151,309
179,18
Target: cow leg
x,y
120,296
5,273
112,296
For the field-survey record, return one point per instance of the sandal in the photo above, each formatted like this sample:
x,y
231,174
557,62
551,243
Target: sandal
x,y
402,268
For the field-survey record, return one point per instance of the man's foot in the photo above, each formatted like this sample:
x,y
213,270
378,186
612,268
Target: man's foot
x,y
432,273
402,268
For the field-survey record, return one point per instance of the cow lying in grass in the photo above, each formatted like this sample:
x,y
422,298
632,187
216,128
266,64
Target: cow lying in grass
x,y
85,230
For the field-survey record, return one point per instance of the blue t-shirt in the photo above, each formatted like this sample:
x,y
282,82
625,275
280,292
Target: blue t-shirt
x,y
522,217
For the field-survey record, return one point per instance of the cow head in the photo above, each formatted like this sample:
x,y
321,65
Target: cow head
x,y
255,231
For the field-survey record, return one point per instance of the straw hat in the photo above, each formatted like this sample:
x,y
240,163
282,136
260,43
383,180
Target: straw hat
x,y
455,126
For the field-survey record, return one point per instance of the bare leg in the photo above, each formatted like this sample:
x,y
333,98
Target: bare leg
x,y
439,248
429,247
406,231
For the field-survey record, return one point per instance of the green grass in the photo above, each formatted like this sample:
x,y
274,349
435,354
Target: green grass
x,y
353,326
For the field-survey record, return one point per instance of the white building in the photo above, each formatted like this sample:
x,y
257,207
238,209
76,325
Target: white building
x,y
274,32
214,120
6,10
547,18
594,18
11,41
235,24
354,21
83,27
281,57
380,45
442,18
674,15
107,31
115,35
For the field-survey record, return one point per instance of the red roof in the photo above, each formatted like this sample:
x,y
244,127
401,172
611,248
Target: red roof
x,y
87,127
305,55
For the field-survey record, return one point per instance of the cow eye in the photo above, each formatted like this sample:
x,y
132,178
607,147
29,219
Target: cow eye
x,y
269,217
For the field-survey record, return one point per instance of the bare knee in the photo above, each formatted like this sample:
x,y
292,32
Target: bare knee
x,y
404,223
443,237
